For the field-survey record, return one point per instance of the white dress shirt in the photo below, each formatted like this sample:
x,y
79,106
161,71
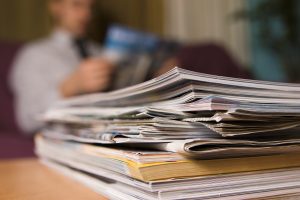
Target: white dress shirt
x,y
38,71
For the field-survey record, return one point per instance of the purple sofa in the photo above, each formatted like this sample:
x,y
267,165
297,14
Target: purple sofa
x,y
13,143
210,58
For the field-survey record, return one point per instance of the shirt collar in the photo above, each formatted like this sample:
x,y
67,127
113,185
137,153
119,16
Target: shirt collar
x,y
62,37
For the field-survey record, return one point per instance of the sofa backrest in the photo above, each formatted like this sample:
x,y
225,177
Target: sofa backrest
x,y
210,58
8,51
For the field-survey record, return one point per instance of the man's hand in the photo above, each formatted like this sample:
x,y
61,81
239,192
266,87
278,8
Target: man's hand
x,y
92,75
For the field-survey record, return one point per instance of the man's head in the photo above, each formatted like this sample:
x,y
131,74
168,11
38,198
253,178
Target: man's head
x,y
72,15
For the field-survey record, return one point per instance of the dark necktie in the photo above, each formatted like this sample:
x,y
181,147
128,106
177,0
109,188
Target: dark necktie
x,y
81,47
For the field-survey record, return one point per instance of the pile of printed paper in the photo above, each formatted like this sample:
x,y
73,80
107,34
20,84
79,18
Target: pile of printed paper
x,y
183,135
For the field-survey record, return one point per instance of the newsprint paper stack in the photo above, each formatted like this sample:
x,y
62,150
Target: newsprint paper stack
x,y
183,135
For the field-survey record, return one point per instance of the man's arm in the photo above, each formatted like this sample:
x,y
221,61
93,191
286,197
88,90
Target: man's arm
x,y
92,75
34,88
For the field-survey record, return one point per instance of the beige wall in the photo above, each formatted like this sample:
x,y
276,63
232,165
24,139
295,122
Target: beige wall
x,y
208,20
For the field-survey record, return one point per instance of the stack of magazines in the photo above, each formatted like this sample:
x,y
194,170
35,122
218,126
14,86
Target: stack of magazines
x,y
182,135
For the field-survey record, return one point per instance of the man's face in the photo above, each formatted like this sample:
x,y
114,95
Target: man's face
x,y
72,15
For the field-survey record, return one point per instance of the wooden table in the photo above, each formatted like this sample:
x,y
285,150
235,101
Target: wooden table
x,y
27,179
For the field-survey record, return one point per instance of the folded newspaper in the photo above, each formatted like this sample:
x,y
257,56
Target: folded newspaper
x,y
187,112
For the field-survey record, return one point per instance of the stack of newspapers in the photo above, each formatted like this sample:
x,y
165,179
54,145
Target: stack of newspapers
x,y
182,135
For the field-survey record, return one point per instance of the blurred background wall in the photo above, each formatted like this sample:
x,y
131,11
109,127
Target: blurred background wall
x,y
187,21
23,20
246,28
26,20
209,20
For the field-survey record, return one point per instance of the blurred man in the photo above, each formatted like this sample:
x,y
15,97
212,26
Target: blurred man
x,y
59,66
